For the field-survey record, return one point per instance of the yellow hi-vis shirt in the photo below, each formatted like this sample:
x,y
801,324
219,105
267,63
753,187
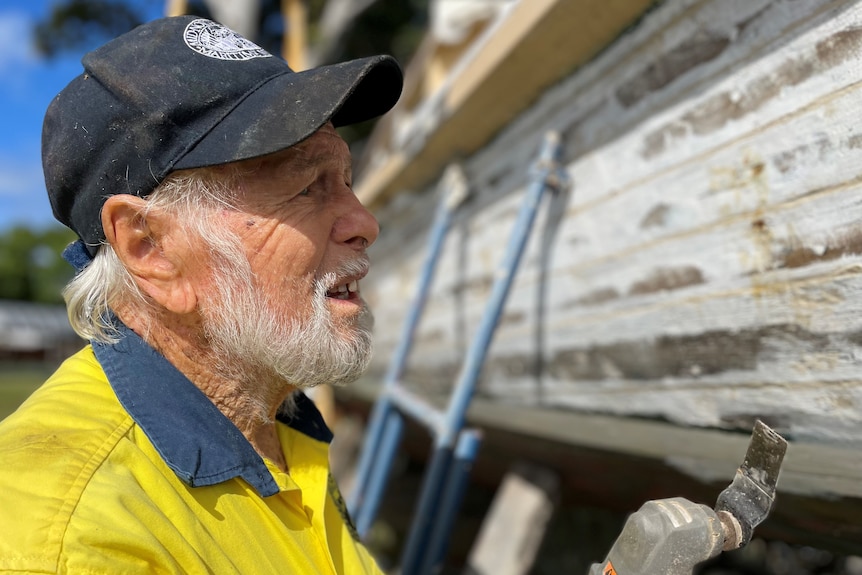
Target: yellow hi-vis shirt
x,y
119,464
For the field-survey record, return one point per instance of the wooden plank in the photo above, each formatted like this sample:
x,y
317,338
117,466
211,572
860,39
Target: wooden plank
x,y
515,525
712,191
492,85
706,269
617,463
804,380
717,272
621,482
705,454
810,469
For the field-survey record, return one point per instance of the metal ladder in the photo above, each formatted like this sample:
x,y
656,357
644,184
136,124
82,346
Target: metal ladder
x,y
455,446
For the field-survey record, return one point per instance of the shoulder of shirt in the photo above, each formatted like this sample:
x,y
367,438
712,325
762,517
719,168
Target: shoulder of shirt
x,y
50,448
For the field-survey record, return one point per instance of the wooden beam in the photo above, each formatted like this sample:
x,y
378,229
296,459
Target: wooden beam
x,y
537,44
706,454
617,463
515,525
175,7
621,483
295,24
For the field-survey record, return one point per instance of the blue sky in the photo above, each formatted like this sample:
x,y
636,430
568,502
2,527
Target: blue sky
x,y
28,85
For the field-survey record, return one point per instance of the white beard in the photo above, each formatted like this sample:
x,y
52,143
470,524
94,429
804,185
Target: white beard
x,y
253,341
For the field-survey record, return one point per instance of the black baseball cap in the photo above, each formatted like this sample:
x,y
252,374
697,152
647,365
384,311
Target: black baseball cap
x,y
186,92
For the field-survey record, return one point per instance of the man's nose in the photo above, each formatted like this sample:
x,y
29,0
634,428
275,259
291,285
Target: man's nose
x,y
356,226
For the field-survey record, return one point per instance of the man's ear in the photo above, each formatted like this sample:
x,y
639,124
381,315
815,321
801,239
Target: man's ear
x,y
144,242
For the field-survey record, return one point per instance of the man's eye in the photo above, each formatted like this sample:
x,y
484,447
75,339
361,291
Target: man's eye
x,y
304,192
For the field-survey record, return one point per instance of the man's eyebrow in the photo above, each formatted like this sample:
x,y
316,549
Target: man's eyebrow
x,y
300,160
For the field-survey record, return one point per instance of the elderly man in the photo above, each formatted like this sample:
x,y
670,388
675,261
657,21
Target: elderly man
x,y
220,255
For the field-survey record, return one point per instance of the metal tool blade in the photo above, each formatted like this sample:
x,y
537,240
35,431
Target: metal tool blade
x,y
751,495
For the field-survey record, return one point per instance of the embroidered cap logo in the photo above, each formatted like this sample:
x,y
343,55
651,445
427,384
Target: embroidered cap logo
x,y
215,41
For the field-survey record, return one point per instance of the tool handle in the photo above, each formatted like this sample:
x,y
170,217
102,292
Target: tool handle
x,y
667,536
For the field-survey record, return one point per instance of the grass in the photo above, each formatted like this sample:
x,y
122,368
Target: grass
x,y
17,382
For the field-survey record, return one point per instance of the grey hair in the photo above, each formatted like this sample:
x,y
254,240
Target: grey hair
x,y
193,196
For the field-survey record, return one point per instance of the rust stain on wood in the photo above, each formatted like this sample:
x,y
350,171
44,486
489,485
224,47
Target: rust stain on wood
x,y
749,173
718,110
759,256
666,279
702,47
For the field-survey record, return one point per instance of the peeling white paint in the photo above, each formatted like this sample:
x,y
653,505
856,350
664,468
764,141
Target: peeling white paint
x,y
746,224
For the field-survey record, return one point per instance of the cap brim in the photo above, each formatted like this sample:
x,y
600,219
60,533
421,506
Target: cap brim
x,y
289,108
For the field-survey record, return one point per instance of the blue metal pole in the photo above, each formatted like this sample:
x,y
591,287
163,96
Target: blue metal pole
x,y
544,174
390,438
367,457
419,409
456,484
401,403
425,514
372,454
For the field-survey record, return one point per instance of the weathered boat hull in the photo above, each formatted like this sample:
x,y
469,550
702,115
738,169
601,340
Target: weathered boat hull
x,y
703,270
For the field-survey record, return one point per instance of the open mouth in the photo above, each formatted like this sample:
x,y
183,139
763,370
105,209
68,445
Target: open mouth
x,y
345,291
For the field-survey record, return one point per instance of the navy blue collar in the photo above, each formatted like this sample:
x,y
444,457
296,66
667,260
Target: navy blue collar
x,y
200,444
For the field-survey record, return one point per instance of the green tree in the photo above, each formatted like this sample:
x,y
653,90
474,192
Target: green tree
x,y
79,24
31,266
376,27
381,26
